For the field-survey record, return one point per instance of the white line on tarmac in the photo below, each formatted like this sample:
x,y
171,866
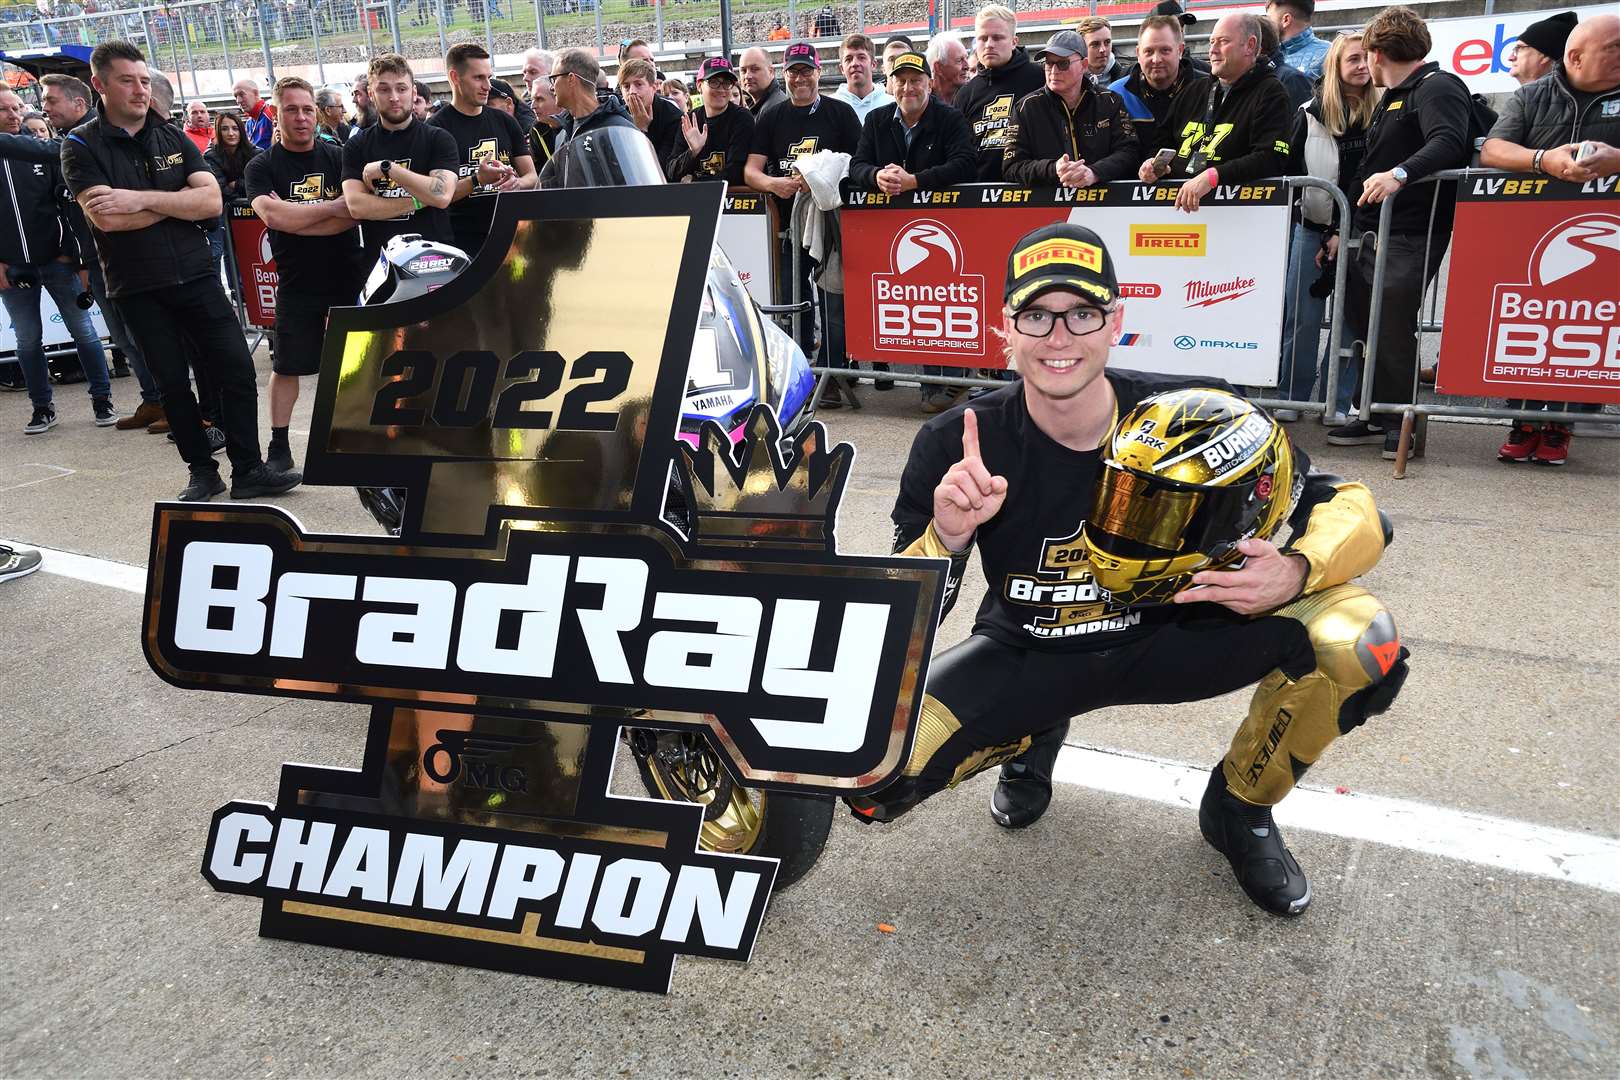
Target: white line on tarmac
x,y
115,575
1517,846
1511,846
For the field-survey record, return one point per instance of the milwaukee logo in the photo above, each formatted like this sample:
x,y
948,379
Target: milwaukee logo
x,y
1206,293
1168,239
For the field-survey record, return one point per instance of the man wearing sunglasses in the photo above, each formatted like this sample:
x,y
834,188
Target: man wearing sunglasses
x,y
1016,473
574,83
1072,132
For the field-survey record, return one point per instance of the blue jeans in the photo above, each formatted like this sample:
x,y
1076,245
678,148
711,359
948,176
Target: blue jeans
x,y
23,306
1302,318
120,336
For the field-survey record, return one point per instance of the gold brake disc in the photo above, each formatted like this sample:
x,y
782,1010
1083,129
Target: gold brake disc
x,y
735,828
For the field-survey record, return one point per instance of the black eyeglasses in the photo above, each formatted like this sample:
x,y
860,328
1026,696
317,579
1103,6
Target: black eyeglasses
x,y
1058,63
1080,321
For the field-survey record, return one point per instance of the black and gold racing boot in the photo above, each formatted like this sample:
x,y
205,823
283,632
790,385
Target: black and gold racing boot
x,y
1249,839
1025,788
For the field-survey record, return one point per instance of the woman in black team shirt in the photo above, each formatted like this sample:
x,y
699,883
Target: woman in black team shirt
x,y
227,159
718,132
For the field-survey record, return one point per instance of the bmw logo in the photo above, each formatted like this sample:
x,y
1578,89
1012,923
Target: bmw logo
x,y
1185,342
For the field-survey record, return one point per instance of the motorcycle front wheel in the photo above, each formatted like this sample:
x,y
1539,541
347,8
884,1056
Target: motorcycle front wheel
x,y
736,820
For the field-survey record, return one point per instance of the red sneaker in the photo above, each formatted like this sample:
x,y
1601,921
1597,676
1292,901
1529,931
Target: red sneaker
x,y
1553,449
1521,443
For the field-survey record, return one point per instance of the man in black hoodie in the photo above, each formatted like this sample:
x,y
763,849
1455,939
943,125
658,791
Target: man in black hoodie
x,y
1005,75
1234,125
38,253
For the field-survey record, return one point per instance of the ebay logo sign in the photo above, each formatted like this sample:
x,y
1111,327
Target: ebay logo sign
x,y
1478,48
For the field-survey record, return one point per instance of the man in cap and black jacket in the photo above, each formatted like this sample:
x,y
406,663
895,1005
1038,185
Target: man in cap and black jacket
x,y
1071,132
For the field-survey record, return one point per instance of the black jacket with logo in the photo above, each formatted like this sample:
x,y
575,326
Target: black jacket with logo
x,y
1421,125
725,153
1545,115
1098,132
33,228
940,155
987,101
159,157
1246,135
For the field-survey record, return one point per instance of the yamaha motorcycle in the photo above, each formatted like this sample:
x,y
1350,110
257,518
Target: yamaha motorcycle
x,y
739,357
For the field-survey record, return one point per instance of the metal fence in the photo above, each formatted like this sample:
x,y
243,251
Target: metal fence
x,y
208,44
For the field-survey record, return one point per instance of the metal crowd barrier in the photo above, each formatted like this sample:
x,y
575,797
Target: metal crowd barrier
x,y
1413,412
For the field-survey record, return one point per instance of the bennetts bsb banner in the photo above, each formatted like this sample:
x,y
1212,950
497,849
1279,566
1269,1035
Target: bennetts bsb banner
x,y
1533,296
1203,292
255,266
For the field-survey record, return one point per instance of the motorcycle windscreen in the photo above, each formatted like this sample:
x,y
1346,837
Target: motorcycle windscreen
x,y
605,157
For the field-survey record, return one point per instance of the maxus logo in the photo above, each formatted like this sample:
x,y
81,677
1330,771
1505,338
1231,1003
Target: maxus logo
x,y
1169,239
1186,342
926,301
1563,325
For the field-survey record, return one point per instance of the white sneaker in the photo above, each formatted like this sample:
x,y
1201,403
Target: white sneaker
x,y
1285,416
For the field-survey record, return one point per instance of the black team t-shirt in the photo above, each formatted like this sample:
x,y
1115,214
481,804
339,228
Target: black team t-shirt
x,y
786,132
308,266
490,134
417,147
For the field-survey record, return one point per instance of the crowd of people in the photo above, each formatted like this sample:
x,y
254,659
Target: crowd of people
x,y
1364,111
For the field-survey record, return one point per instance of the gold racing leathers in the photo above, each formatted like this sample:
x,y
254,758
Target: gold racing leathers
x,y
1045,647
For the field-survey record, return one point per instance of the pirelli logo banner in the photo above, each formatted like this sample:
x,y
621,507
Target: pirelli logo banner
x,y
1203,292
1533,307
564,570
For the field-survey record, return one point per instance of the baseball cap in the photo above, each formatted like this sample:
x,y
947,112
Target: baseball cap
x,y
801,52
909,61
1060,256
716,66
1062,43
501,88
1170,7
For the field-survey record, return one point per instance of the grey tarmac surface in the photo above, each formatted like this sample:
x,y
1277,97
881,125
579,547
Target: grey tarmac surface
x,y
1108,940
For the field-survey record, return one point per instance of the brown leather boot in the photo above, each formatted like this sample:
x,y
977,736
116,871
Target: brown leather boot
x,y
148,413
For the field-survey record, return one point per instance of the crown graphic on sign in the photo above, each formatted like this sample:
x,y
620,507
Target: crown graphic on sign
x,y
759,492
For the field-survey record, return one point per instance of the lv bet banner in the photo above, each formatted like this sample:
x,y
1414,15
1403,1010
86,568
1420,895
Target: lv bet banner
x,y
1203,292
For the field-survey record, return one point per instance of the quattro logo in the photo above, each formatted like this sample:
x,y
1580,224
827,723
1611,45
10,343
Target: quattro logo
x,y
927,301
1169,239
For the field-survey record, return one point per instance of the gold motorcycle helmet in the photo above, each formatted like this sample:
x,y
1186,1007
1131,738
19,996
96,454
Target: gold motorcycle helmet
x,y
1185,476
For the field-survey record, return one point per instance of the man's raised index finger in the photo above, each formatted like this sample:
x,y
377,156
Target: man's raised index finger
x,y
970,434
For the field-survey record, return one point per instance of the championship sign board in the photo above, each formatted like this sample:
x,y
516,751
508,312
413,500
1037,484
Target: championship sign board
x,y
1533,294
1203,292
540,596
